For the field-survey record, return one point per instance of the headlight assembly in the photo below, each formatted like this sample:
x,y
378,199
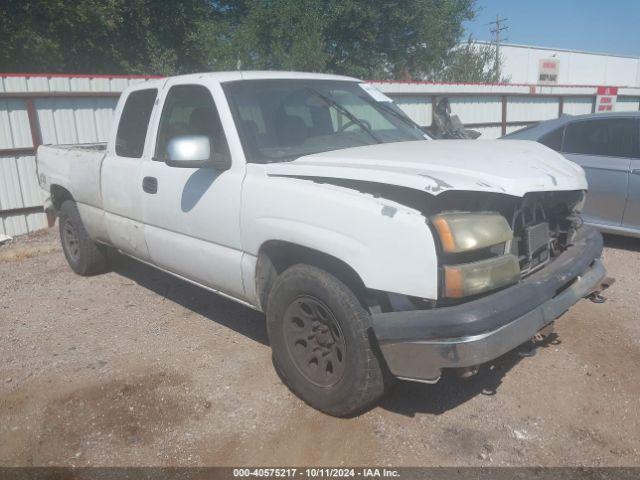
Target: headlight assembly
x,y
477,277
463,232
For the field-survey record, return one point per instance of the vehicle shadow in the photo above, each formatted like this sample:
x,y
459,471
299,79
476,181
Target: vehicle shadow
x,y
230,314
411,398
195,188
631,244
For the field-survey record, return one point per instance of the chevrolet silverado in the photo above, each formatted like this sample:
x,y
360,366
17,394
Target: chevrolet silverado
x,y
375,252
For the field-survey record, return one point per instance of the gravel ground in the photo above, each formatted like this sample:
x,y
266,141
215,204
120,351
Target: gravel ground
x,y
135,367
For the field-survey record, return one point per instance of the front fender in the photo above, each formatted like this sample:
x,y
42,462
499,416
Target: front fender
x,y
389,245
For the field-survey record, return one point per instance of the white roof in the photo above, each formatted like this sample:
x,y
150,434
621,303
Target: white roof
x,y
264,75
570,50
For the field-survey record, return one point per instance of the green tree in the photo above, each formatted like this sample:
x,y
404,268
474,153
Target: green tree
x,y
376,39
471,62
380,39
403,40
101,36
272,35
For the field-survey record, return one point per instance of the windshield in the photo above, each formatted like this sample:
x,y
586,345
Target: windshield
x,y
281,120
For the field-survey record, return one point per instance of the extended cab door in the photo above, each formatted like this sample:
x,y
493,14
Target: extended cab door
x,y
602,147
121,174
192,215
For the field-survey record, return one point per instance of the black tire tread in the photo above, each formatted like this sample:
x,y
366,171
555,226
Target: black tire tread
x,y
369,387
93,257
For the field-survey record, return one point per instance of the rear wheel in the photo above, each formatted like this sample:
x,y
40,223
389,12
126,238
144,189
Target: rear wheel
x,y
85,257
322,344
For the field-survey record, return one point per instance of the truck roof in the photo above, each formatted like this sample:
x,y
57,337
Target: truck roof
x,y
233,76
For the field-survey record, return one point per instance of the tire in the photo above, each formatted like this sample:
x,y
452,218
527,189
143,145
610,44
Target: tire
x,y
322,343
85,257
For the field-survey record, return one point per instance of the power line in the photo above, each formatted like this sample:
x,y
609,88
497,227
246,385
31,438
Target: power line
x,y
496,37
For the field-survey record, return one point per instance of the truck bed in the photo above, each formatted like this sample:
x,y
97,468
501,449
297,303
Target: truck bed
x,y
73,167
81,147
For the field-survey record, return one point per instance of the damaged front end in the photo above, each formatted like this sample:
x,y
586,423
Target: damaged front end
x,y
419,344
500,239
541,225
526,260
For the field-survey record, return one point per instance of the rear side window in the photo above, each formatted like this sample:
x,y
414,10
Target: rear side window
x,y
612,137
134,122
553,139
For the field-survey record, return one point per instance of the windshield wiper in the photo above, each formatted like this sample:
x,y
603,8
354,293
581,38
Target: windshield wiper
x,y
345,112
390,110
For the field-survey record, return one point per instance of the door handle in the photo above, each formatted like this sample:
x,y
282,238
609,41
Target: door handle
x,y
150,184
635,171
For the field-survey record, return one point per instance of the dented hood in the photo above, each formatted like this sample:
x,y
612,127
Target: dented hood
x,y
513,167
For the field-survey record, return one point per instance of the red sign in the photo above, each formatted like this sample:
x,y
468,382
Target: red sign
x,y
606,99
608,91
548,70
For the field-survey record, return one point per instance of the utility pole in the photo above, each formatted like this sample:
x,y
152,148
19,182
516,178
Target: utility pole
x,y
498,27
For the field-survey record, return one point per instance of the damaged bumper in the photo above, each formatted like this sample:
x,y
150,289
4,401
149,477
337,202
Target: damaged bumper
x,y
418,344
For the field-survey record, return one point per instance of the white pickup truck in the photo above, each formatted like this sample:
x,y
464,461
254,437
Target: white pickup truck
x,y
374,251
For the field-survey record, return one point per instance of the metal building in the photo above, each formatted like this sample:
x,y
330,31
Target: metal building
x,y
533,65
46,108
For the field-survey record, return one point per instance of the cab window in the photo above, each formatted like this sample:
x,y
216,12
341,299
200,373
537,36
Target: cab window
x,y
190,110
134,121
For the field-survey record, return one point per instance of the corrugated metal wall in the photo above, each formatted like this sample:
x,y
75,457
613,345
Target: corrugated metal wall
x,y
478,110
497,109
60,120
79,109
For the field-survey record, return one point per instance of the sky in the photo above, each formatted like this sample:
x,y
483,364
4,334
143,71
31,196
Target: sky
x,y
607,26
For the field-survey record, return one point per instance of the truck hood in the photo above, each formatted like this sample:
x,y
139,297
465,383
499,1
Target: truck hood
x,y
513,167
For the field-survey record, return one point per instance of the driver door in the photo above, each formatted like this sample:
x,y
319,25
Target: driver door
x,y
192,215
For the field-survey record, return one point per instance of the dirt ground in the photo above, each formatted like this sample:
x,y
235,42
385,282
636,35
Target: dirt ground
x,y
135,367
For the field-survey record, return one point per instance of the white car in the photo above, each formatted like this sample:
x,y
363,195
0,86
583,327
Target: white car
x,y
374,251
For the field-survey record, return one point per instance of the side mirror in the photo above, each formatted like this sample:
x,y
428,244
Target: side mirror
x,y
194,151
189,151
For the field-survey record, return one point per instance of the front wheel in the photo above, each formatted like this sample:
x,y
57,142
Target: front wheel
x,y
85,257
321,341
